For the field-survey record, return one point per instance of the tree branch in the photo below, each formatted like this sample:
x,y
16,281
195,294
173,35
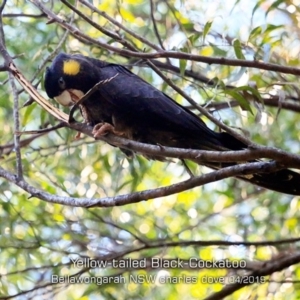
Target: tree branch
x,y
202,243
288,159
17,145
242,169
24,15
270,100
2,8
7,61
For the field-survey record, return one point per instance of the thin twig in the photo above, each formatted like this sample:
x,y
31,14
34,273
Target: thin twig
x,y
152,9
1,9
271,101
44,130
87,95
24,15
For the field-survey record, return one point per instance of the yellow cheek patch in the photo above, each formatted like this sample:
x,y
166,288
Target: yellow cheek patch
x,y
71,67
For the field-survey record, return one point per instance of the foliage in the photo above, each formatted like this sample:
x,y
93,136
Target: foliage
x,y
228,219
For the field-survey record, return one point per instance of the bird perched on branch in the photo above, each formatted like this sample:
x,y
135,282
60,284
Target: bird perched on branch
x,y
129,106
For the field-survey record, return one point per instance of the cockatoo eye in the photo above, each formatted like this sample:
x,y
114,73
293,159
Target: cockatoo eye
x,y
61,83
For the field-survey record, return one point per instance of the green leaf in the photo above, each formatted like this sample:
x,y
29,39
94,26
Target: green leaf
x,y
256,7
194,38
182,66
188,26
274,6
28,112
252,90
206,29
244,104
218,51
255,32
238,49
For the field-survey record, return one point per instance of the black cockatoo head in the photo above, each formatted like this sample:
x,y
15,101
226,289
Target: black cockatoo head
x,y
70,77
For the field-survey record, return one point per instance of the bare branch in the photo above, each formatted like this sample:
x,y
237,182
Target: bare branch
x,y
1,9
202,243
272,101
17,146
242,169
24,15
8,60
189,73
201,155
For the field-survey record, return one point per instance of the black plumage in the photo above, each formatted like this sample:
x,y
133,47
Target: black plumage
x,y
143,113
